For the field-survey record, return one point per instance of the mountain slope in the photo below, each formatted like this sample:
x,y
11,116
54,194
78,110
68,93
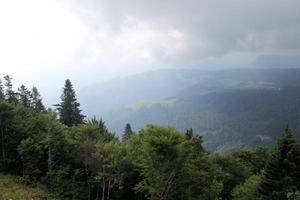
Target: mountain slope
x,y
247,106
149,86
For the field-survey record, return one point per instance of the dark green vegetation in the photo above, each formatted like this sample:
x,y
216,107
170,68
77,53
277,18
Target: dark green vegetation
x,y
11,188
76,159
247,106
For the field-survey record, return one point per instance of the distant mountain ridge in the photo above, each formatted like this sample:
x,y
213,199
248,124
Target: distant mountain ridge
x,y
232,108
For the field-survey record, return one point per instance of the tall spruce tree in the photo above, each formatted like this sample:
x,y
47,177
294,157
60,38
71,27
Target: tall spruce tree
x,y
25,96
282,173
127,132
10,95
102,127
189,134
37,103
1,90
69,111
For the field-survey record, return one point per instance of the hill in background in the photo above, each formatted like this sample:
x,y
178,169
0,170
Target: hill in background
x,y
231,108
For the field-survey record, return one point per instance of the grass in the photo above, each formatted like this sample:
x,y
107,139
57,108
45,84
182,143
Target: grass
x,y
11,189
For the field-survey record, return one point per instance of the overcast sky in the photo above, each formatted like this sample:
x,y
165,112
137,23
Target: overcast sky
x,y
43,42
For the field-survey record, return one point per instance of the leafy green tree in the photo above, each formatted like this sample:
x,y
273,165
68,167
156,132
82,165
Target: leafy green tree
x,y
256,159
127,132
33,156
16,123
37,103
162,162
282,173
199,175
69,108
43,149
83,140
293,195
102,129
108,158
234,172
134,154
248,190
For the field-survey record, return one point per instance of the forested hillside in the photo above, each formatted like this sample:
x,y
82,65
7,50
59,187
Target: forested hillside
x,y
74,157
247,106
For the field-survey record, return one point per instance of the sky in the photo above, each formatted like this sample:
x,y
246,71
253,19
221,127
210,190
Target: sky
x,y
43,42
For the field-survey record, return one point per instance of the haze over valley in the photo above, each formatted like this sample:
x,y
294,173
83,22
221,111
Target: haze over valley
x,y
149,100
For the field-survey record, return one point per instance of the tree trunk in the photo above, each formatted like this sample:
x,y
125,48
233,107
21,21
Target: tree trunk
x,y
98,187
103,189
2,145
49,158
108,189
87,179
74,187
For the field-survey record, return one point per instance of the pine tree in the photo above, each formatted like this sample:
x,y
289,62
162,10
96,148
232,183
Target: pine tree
x,y
102,127
37,103
189,134
127,132
69,111
1,90
25,96
282,173
10,95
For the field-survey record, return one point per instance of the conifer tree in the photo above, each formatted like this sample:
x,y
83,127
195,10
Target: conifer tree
x,y
10,95
189,134
102,126
1,90
25,96
37,103
69,111
282,173
127,132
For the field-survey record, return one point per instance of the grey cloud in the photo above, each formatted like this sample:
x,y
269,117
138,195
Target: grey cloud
x,y
211,27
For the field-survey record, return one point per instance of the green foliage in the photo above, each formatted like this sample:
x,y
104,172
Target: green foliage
x,y
282,173
162,162
25,96
189,134
37,103
248,190
256,159
293,195
10,95
11,188
87,161
1,90
127,132
233,109
234,172
69,111
169,164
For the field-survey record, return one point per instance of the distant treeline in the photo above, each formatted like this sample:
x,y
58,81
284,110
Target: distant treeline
x,y
79,159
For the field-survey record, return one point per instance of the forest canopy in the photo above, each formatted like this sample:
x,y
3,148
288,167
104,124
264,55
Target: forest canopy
x,y
79,158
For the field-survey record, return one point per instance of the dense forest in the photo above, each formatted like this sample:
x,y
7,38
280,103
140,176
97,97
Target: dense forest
x,y
247,106
79,158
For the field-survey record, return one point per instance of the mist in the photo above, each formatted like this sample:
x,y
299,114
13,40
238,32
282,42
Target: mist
x,y
95,41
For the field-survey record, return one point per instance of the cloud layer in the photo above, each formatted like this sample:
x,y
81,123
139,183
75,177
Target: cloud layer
x,y
176,32
94,40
